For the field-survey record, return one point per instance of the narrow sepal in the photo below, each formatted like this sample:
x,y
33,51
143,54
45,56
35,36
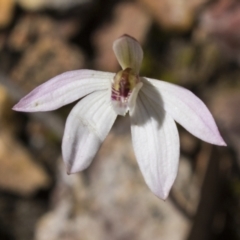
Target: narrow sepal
x,y
128,52
156,145
63,89
86,128
186,109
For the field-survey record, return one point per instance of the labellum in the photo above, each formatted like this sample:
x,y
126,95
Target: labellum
x,y
122,86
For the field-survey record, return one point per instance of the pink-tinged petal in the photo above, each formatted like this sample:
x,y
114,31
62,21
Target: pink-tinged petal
x,y
156,145
64,89
128,52
185,108
86,128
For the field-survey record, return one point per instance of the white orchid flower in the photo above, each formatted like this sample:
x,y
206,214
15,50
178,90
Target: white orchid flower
x,y
153,105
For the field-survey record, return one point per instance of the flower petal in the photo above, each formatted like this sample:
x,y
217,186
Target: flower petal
x,y
187,109
87,126
128,52
63,89
156,145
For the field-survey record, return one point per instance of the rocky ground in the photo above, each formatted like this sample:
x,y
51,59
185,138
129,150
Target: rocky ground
x,y
193,43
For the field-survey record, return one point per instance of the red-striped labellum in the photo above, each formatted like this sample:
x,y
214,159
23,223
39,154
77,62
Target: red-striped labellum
x,y
122,86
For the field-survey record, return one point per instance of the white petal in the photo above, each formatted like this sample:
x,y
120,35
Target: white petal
x,y
63,89
187,109
128,52
156,145
87,126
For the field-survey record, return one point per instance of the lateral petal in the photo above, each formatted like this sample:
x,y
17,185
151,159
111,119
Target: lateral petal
x,y
128,52
64,89
156,145
186,109
86,128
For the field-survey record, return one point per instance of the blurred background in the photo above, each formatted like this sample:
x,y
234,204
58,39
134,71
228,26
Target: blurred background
x,y
195,44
